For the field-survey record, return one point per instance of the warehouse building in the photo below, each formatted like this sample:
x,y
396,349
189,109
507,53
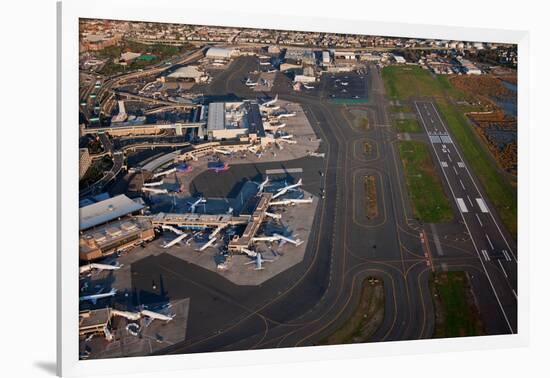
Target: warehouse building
x,y
221,53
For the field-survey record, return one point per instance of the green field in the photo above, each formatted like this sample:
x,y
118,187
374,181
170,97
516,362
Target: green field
x,y
403,83
424,186
455,312
407,125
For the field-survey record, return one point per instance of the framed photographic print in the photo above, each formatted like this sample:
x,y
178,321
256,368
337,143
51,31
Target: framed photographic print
x,y
235,186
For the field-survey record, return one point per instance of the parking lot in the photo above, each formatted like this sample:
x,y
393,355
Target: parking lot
x,y
348,85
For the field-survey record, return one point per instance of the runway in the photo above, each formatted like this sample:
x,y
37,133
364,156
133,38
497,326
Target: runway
x,y
490,243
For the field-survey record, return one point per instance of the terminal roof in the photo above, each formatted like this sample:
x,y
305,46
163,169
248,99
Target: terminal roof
x,y
107,210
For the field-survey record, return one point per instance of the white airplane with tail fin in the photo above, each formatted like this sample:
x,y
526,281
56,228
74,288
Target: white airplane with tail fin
x,y
258,261
89,267
207,244
291,201
157,315
286,189
262,185
175,241
296,242
267,104
94,297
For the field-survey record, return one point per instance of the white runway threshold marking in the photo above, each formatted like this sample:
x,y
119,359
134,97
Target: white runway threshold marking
x,y
485,255
461,205
482,205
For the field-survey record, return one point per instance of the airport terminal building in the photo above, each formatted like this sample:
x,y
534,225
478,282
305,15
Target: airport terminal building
x,y
106,227
234,120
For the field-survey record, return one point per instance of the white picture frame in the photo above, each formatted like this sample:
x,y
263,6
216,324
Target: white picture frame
x,y
172,11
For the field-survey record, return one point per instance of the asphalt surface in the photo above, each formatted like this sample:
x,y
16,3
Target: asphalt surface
x,y
306,303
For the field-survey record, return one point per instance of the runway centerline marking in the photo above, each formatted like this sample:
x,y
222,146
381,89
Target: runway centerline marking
x,y
479,220
489,240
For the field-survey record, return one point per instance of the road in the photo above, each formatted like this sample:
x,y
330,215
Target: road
x,y
118,163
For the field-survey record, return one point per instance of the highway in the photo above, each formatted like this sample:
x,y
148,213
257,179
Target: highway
x,y
118,163
492,246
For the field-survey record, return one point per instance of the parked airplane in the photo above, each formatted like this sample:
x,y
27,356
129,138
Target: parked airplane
x,y
209,243
164,173
155,183
291,201
171,228
222,151
89,267
193,205
175,241
262,185
94,297
157,315
296,242
184,168
274,216
286,189
153,190
267,104
278,238
286,115
271,127
258,261
218,166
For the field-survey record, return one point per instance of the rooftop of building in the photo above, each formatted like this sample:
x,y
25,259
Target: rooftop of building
x,y
113,232
107,210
